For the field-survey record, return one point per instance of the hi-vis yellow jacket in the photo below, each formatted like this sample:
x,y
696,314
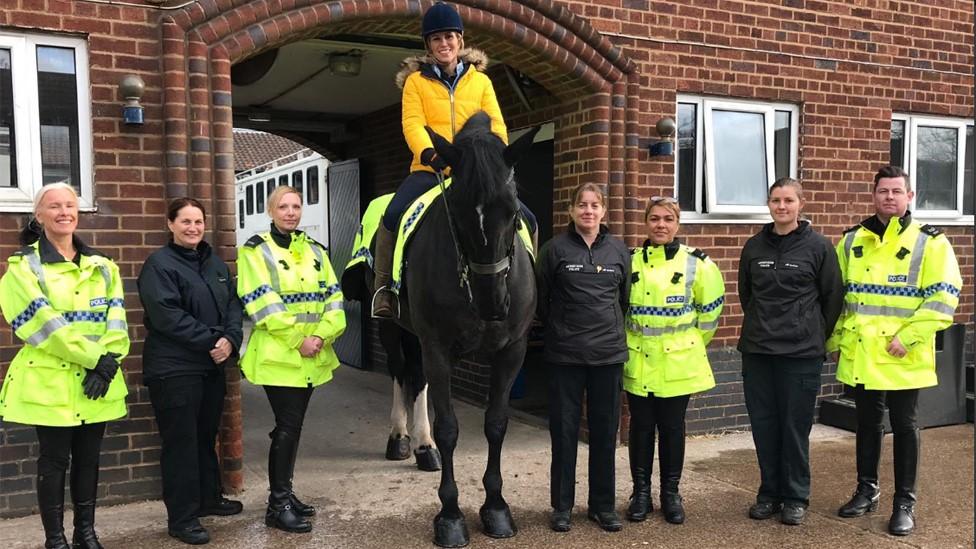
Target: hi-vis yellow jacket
x,y
290,293
676,297
907,285
429,101
68,315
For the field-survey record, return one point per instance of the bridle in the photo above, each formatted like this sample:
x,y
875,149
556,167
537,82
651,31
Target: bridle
x,y
467,268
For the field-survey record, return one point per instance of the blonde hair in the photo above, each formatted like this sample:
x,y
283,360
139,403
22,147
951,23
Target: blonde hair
x,y
277,194
39,195
667,202
588,187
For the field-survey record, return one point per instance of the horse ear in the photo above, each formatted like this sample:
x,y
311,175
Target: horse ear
x,y
521,145
444,148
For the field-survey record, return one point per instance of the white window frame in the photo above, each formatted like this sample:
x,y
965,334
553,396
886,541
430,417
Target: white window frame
x,y
23,59
910,156
705,148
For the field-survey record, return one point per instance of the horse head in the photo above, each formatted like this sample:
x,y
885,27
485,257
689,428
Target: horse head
x,y
483,206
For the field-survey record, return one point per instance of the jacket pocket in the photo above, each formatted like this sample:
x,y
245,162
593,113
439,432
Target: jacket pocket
x,y
117,389
684,357
47,386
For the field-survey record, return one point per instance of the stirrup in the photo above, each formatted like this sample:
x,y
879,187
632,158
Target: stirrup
x,y
394,304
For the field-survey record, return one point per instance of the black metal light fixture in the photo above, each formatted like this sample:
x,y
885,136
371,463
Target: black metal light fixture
x,y
665,130
131,87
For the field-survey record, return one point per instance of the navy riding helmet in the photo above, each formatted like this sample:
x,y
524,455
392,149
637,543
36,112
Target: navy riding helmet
x,y
440,18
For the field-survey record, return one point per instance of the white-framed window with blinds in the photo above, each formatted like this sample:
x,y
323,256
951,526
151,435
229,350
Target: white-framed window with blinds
x,y
45,117
729,153
938,155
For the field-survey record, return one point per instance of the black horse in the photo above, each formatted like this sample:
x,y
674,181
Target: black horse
x,y
470,292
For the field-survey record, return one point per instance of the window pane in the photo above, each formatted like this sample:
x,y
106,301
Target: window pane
x,y
312,179
898,143
296,181
249,196
740,158
688,176
259,196
240,213
967,184
781,144
271,186
8,156
282,180
57,98
936,167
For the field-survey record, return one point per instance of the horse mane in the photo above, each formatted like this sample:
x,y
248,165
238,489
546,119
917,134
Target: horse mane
x,y
483,175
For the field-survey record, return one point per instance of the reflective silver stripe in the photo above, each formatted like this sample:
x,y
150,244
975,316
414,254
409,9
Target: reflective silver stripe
x,y
116,325
939,307
272,265
310,318
107,275
657,331
318,253
269,310
690,267
879,310
92,337
711,325
34,262
848,244
46,330
915,266
333,306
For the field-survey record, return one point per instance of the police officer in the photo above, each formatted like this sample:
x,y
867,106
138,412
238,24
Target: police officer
x,y
65,301
582,278
903,285
289,290
193,324
676,297
791,293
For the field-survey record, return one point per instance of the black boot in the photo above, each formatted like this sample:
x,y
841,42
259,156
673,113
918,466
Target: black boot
x,y
907,445
672,462
84,488
50,500
641,446
865,498
281,512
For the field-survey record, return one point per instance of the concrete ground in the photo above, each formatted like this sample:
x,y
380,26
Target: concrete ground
x,y
365,501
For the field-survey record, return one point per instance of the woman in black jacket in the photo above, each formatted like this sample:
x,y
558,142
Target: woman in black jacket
x,y
193,320
791,292
583,278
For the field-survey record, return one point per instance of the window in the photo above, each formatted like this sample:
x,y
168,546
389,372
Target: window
x,y
249,198
282,180
271,186
45,118
296,182
240,213
259,197
731,151
312,180
938,153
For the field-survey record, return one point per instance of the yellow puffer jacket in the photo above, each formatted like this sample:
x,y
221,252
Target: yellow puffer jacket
x,y
428,101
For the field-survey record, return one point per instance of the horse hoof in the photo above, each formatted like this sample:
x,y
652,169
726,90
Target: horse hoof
x,y
428,458
498,523
450,532
398,447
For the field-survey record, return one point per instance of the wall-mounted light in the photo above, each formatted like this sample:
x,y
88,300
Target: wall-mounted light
x,y
347,63
131,87
665,130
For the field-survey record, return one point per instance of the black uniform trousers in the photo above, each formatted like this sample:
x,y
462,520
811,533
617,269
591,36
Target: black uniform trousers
x,y
188,410
78,446
666,416
903,415
781,393
602,385
288,405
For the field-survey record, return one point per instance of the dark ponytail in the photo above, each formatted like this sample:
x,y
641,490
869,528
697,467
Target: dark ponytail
x,y
31,232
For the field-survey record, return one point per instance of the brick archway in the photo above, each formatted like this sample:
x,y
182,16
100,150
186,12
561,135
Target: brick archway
x,y
596,132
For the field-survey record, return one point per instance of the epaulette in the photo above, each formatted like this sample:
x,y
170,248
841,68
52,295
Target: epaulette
x,y
254,241
699,254
852,228
635,251
931,230
25,250
320,245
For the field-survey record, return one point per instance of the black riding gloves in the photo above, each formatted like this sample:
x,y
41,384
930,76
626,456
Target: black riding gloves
x,y
97,379
429,157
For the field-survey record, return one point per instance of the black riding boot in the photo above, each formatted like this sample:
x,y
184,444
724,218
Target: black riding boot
x,y
865,498
907,445
384,303
672,460
50,500
281,512
84,489
641,466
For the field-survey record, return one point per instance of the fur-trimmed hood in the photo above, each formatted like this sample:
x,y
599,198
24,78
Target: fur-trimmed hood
x,y
470,56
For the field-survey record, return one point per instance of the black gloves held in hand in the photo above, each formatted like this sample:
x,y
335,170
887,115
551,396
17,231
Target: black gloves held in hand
x,y
429,157
97,379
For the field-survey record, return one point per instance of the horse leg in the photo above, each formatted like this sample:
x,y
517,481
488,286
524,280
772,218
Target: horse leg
x,y
450,529
415,390
496,517
398,444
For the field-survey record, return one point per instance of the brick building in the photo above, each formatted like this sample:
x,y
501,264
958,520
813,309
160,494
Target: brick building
x,y
824,90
